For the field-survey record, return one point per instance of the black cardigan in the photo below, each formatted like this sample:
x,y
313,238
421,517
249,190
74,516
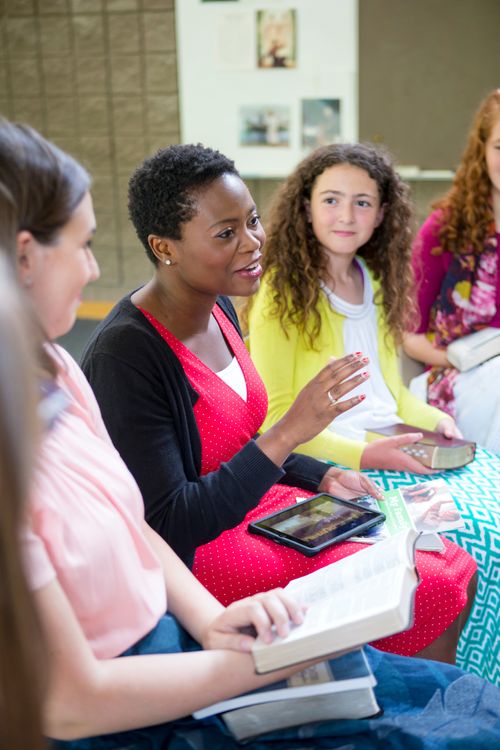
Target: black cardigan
x,y
147,405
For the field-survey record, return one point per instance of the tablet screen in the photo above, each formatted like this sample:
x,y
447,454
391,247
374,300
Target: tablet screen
x,y
319,520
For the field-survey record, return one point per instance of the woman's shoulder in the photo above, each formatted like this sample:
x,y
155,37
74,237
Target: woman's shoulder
x,y
125,334
124,317
68,370
72,381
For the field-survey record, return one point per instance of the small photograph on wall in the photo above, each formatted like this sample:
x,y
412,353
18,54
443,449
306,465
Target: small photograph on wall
x,y
264,126
320,122
276,39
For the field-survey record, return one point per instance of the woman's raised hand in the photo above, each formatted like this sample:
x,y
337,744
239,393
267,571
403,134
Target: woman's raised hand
x,y
266,614
317,404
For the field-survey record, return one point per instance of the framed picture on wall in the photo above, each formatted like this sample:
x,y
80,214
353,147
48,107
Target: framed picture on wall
x,y
321,122
264,126
276,39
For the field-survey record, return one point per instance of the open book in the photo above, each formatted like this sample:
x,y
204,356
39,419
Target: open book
x,y
473,349
361,598
427,507
434,450
341,688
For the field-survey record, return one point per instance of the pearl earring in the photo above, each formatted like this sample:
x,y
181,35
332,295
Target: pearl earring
x,y
167,262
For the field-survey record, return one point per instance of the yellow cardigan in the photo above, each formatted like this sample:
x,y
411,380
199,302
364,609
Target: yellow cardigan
x,y
287,364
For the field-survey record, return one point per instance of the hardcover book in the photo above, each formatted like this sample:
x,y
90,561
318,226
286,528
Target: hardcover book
x,y
434,450
353,601
341,688
473,349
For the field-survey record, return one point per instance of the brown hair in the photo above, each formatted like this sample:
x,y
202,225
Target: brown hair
x,y
21,649
40,187
294,261
466,207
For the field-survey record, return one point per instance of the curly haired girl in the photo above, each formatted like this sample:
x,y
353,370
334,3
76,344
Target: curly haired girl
x,y
338,278
456,265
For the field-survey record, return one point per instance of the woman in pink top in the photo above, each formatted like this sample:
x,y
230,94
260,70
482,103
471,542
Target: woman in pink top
x,y
456,260
99,573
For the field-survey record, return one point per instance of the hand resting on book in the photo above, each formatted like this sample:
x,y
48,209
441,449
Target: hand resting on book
x,y
388,453
448,428
232,628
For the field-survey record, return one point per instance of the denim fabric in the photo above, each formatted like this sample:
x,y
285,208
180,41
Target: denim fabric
x,y
427,706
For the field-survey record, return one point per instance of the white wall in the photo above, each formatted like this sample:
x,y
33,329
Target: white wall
x,y
218,74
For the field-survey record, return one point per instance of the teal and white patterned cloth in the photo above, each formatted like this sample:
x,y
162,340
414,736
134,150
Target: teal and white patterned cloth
x,y
476,490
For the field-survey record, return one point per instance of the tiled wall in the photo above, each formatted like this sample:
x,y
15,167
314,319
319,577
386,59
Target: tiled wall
x,y
99,78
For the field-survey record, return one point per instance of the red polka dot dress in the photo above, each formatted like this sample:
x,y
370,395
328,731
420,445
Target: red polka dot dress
x,y
239,564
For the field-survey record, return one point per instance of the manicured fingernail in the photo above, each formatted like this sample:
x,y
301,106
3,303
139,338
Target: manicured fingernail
x,y
364,374
358,354
362,397
365,360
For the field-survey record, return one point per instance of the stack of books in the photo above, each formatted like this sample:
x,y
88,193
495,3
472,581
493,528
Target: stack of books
x,y
363,597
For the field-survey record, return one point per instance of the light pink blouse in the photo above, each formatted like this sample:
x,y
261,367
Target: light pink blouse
x,y
86,516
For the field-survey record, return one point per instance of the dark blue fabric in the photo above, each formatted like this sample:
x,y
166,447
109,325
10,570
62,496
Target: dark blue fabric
x,y
427,706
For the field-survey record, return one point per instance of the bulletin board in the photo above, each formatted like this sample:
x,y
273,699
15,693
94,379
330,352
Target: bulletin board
x,y
258,82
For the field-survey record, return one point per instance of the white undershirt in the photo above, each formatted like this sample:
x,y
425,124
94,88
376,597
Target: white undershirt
x,y
233,376
379,409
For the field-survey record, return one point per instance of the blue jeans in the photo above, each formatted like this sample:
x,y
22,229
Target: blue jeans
x,y
427,705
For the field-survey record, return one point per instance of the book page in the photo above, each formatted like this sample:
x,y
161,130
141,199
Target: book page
x,y
364,596
355,569
344,606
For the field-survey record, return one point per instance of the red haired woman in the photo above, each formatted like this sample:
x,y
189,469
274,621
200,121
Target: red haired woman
x,y
456,260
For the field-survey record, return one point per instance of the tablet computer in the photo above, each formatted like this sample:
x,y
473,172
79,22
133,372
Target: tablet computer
x,y
316,523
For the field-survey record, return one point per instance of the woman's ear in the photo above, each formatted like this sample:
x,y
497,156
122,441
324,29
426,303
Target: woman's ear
x,y
25,257
163,249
